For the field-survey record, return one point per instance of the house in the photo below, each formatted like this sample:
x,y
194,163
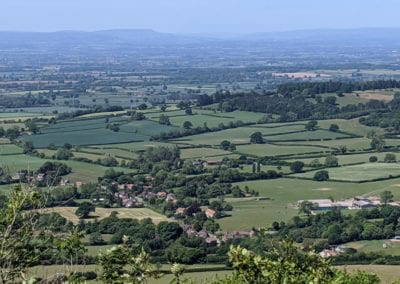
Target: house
x,y
321,204
210,213
212,240
326,253
130,186
237,235
197,163
18,176
162,194
78,184
211,163
180,211
40,177
171,198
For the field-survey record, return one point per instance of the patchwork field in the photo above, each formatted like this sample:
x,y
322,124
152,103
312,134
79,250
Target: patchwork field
x,y
351,126
307,135
101,213
93,132
239,135
262,150
194,153
363,172
357,144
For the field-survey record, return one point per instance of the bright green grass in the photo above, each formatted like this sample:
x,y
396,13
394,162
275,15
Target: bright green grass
x,y
202,153
349,159
392,248
237,135
262,150
199,120
10,149
214,119
352,126
363,172
307,135
351,143
283,192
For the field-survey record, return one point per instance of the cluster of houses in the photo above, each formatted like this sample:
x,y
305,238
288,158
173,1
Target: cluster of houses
x,y
210,213
25,176
216,239
208,163
352,203
332,252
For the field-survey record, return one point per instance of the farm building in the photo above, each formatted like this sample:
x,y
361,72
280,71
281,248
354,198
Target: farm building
x,y
352,203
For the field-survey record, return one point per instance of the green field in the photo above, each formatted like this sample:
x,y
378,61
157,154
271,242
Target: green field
x,y
239,135
358,144
351,126
320,134
262,150
101,213
133,146
80,171
93,132
363,172
10,149
378,246
194,153
349,158
283,192
213,119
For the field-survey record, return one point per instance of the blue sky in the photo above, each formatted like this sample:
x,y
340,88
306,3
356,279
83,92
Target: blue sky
x,y
197,16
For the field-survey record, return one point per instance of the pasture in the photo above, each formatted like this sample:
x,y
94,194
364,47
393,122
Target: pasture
x,y
363,172
81,171
93,132
283,192
10,149
197,153
349,158
239,135
101,213
378,246
262,150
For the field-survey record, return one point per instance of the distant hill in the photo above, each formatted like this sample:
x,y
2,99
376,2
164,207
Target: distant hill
x,y
100,39
143,39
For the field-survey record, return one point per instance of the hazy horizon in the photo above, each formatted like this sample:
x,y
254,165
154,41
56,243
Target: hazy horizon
x,y
196,16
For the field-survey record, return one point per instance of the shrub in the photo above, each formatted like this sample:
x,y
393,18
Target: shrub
x,y
321,176
373,159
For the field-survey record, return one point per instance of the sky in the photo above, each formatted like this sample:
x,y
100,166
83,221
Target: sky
x,y
197,16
